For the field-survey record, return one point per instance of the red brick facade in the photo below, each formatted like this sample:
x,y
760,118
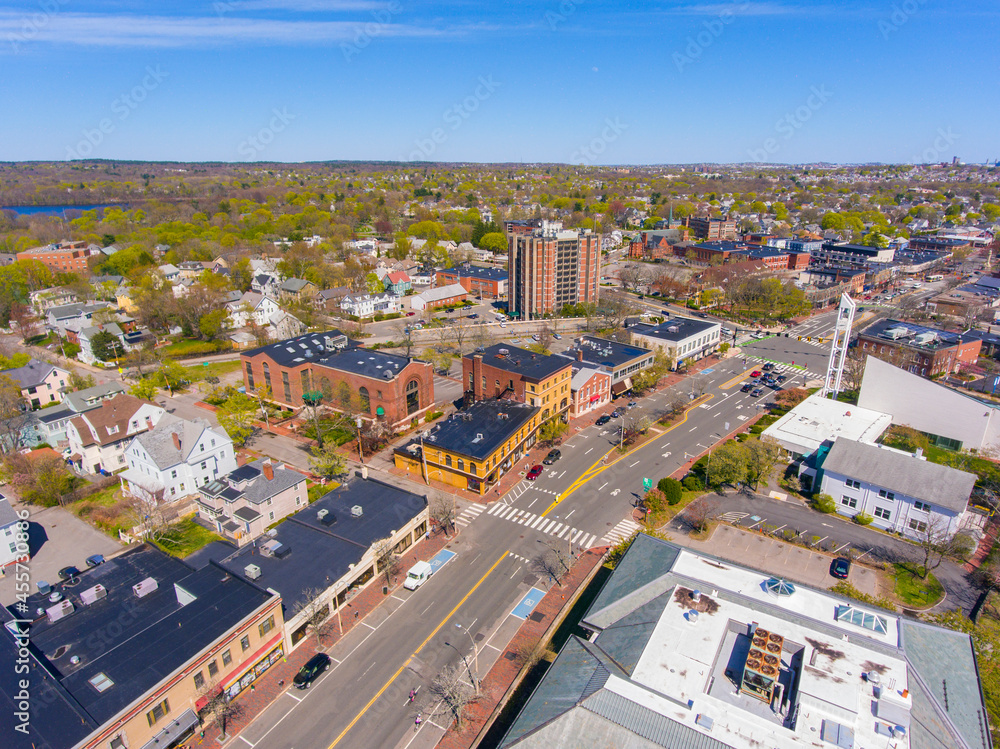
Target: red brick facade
x,y
394,397
70,257
925,363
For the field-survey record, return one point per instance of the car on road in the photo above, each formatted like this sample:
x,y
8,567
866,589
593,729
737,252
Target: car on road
x,y
756,373
726,332
503,325
758,335
747,388
68,573
840,567
632,404
601,421
701,314
757,392
534,473
536,337
780,379
768,367
552,457
312,669
617,412
557,336
410,314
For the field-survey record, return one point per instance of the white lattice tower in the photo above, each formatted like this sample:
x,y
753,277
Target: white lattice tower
x,y
838,346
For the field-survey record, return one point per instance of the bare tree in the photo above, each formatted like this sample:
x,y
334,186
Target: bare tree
x,y
454,693
218,708
386,559
554,562
615,308
25,322
632,276
483,337
15,414
148,510
443,512
317,613
545,337
936,542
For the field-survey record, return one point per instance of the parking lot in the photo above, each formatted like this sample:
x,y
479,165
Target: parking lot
x,y
58,539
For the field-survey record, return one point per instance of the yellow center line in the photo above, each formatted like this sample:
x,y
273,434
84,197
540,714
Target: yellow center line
x,y
417,651
597,468
729,383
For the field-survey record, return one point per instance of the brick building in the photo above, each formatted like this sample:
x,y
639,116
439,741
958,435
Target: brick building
x,y
936,244
917,348
377,384
479,282
550,269
712,229
508,372
63,257
440,296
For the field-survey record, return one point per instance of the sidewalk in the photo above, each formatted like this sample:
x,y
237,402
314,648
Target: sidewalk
x,y
278,679
538,628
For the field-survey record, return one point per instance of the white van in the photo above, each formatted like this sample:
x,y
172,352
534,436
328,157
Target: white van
x,y
417,575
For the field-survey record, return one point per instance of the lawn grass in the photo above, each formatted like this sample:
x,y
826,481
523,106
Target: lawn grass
x,y
318,491
669,512
189,347
914,591
218,369
105,510
185,537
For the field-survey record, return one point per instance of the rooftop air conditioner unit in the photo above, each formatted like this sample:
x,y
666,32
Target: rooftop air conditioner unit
x,y
357,511
93,595
322,514
60,611
252,571
144,587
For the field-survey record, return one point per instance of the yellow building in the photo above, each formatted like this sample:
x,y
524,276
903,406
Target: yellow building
x,y
526,376
473,448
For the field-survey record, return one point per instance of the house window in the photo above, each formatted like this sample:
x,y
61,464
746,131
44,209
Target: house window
x,y
917,525
204,464
245,642
412,397
227,657
213,442
157,712
287,387
266,626
366,401
885,494
849,501
249,377
447,460
199,680
213,668
852,484
922,506
173,474
881,512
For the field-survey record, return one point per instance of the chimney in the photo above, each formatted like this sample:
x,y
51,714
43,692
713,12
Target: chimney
x,y
579,354
268,470
177,440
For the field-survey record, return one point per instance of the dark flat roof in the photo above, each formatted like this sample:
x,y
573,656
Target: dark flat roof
x,y
479,430
945,339
158,634
527,364
474,271
683,328
606,353
293,351
321,554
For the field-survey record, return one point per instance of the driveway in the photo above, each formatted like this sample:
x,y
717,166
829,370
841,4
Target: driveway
x,y
58,539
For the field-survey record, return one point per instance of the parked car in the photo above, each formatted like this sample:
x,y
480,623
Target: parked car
x,y
632,404
601,421
94,559
840,567
68,573
747,388
617,412
312,669
536,337
757,392
473,316
552,457
534,473
410,314
557,336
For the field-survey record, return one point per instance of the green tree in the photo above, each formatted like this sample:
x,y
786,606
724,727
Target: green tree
x,y
171,375
325,461
106,346
726,466
672,490
145,389
241,275
373,285
237,416
762,456
551,431
213,324
494,242
79,381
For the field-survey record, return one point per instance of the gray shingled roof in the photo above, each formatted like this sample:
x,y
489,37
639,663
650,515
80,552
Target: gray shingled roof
x,y
159,442
901,473
31,374
7,514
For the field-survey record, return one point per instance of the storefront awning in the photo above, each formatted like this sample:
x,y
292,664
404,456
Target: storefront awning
x,y
595,397
618,388
174,730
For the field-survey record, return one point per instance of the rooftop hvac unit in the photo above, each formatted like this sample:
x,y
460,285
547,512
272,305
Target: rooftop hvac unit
x,y
504,351
144,588
896,332
328,519
322,514
93,595
252,571
60,611
388,374
925,339
357,511
275,549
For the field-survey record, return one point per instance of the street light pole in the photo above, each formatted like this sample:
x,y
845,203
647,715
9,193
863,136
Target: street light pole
x,y
361,454
475,658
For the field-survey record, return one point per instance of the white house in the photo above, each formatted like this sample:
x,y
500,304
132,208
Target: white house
x,y
366,305
252,306
903,492
13,538
177,457
98,437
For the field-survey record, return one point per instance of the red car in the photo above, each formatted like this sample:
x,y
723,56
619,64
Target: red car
x,y
755,373
410,314
534,473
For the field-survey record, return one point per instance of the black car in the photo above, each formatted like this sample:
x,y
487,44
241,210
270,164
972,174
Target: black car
x,y
841,567
552,457
781,378
68,573
746,388
768,367
313,668
603,420
94,559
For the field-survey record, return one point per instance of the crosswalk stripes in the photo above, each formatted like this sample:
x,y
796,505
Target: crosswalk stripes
x,y
471,513
623,530
732,517
544,525
786,368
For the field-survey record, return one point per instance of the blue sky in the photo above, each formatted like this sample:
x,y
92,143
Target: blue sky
x,y
577,81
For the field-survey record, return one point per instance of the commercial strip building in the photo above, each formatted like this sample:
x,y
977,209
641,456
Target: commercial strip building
x,y
687,650
682,339
839,252
319,558
903,492
620,360
550,269
244,503
919,349
511,373
590,389
126,654
473,448
381,385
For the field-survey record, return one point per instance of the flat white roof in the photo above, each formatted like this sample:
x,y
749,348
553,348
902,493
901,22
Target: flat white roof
x,y
803,429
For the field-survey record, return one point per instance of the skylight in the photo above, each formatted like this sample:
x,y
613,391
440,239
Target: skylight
x,y
101,682
862,619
